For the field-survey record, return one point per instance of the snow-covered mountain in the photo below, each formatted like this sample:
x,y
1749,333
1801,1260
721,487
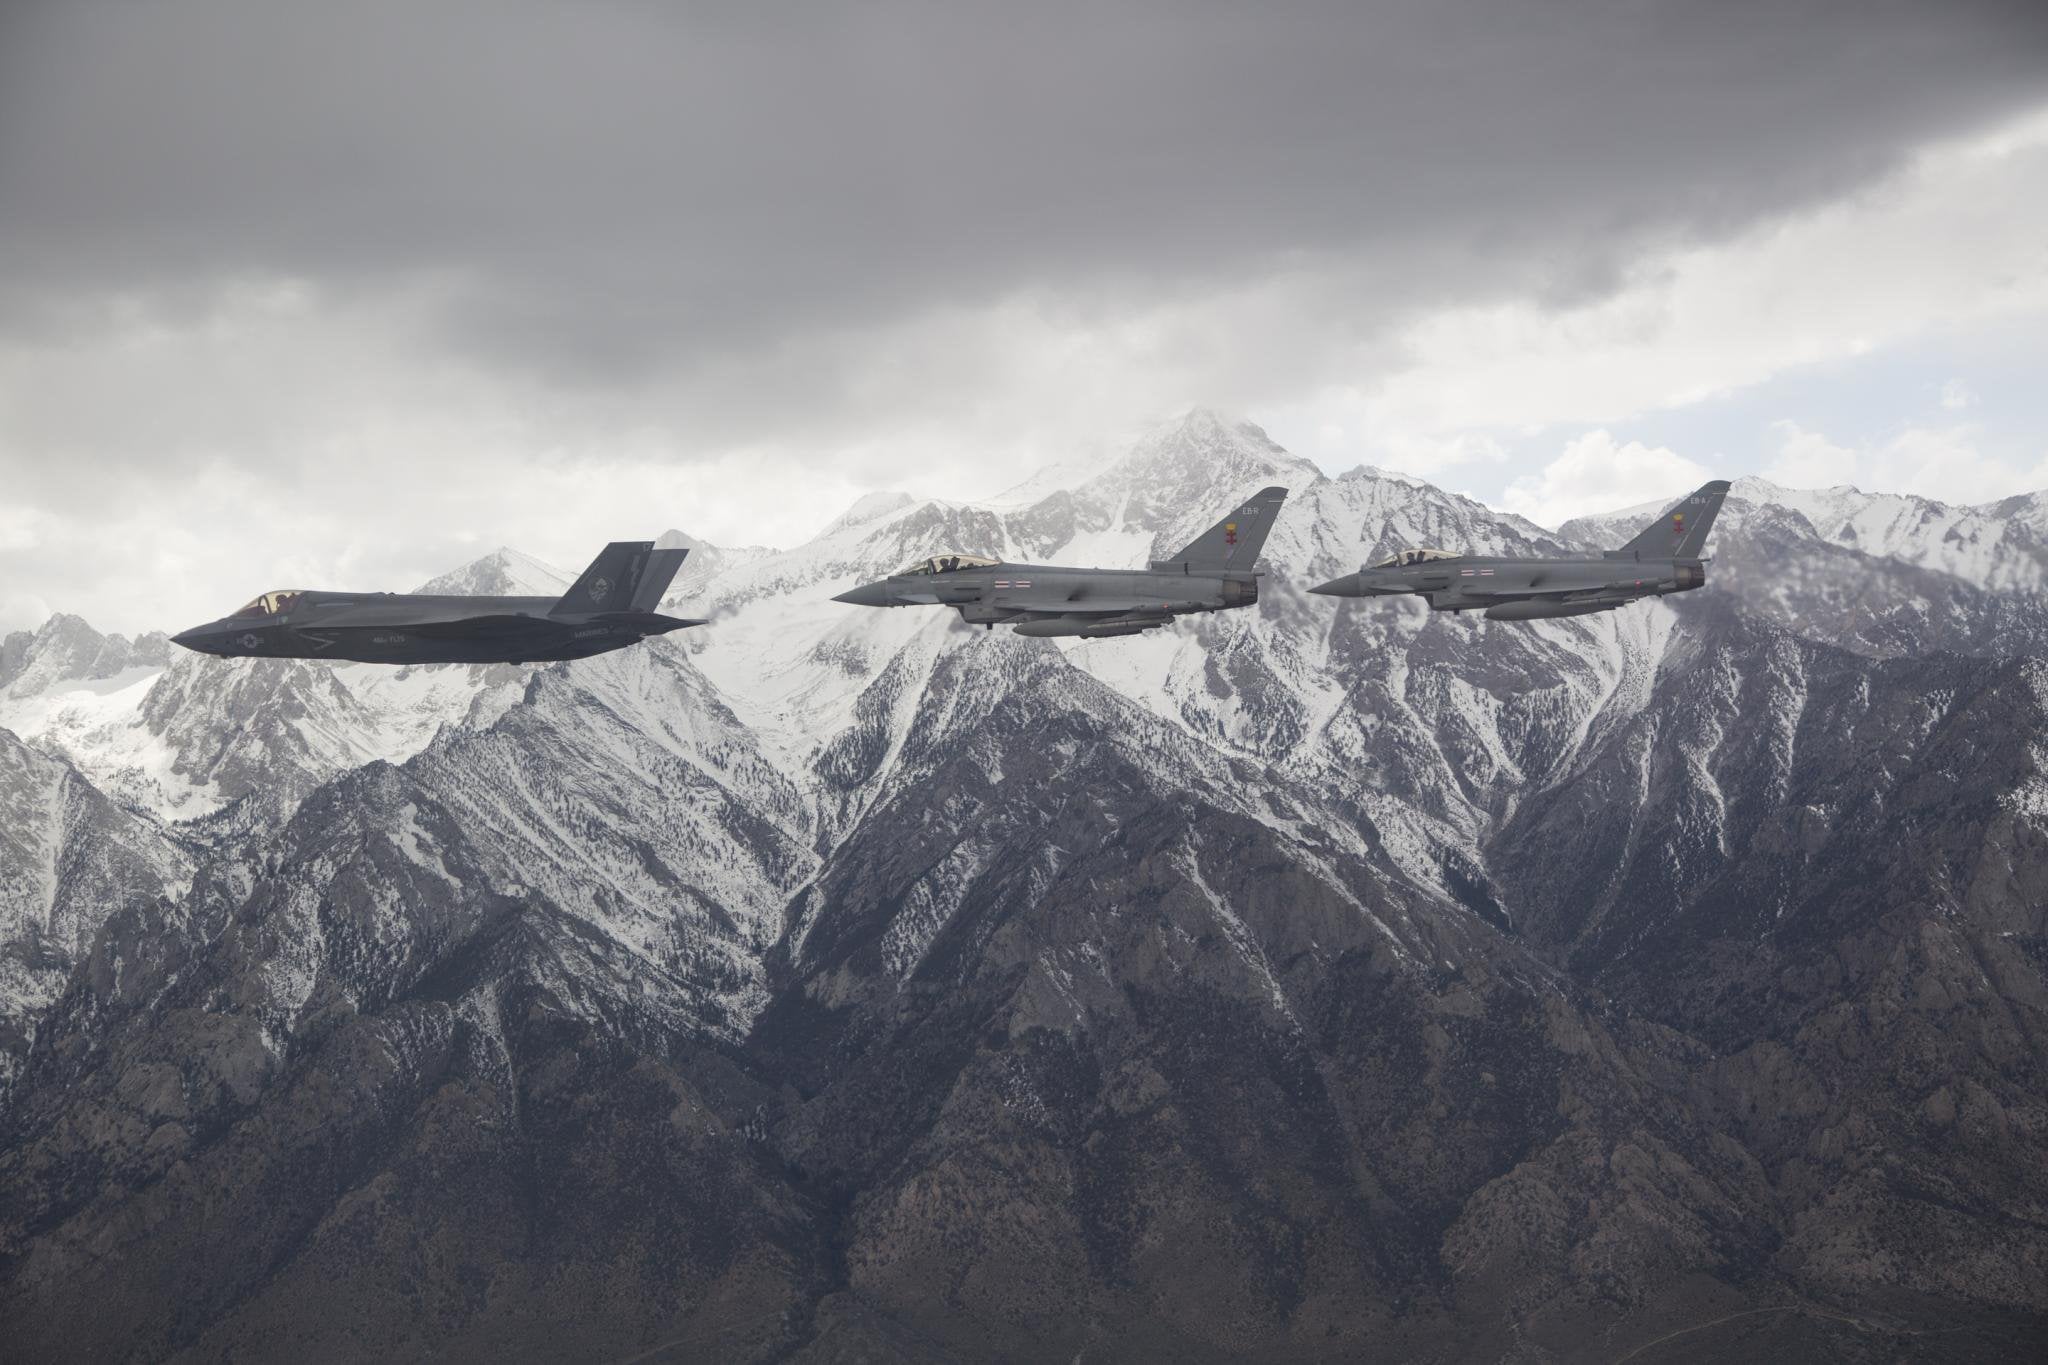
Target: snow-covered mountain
x,y
66,649
841,981
504,572
2001,545
1882,574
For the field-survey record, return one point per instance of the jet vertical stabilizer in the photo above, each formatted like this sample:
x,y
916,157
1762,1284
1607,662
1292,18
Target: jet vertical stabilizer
x,y
654,580
612,579
1235,541
1681,532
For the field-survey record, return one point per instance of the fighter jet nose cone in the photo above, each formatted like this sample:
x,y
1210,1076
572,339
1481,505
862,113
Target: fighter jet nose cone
x,y
1337,587
206,639
866,595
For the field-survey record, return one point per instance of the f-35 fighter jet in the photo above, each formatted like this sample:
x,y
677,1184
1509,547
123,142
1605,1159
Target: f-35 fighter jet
x,y
1664,559
1214,573
610,606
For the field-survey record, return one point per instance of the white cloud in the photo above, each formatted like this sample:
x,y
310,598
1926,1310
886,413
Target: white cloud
x,y
1951,241
1596,473
21,611
1956,395
22,528
1948,464
1806,459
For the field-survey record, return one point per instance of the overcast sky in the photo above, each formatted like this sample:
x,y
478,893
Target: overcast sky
x,y
346,294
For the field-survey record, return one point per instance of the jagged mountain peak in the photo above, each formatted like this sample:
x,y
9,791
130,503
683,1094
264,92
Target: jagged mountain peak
x,y
674,539
65,648
1827,509
507,572
1202,425
504,572
1060,476
1398,489
1360,472
2001,546
1200,449
1756,488
869,507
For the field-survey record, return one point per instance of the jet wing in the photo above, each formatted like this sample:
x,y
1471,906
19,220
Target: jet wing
x,y
1512,591
1086,604
474,627
502,627
648,620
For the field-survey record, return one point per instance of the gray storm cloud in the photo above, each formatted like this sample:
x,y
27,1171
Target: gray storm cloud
x,y
610,187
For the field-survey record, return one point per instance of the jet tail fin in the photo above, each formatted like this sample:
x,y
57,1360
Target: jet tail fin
x,y
627,575
1681,531
654,580
1235,541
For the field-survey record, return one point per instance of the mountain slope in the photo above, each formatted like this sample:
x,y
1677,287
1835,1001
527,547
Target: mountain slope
x,y
69,858
1306,981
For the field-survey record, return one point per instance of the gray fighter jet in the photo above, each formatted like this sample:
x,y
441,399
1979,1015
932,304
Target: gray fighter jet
x,y
1664,559
610,606
1217,571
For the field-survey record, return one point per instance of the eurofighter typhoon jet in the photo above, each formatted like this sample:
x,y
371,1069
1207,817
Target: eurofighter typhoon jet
x,y
1664,559
609,607
1214,573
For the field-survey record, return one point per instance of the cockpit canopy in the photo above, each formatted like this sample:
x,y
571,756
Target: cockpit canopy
x,y
1407,557
948,564
273,603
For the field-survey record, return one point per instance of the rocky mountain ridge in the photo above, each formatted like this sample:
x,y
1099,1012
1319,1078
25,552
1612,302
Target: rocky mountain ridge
x,y
1303,980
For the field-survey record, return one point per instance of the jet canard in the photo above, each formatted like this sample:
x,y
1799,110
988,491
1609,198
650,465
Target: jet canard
x,y
1666,558
611,606
1215,572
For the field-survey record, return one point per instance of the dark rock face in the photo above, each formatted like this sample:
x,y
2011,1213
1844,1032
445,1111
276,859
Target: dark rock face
x,y
398,1037
1845,907
1101,1111
13,654
1374,986
71,858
